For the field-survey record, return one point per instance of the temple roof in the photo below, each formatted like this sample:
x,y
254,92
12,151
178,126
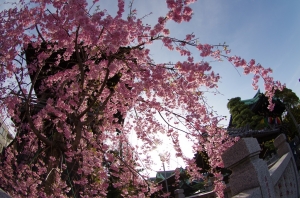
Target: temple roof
x,y
252,100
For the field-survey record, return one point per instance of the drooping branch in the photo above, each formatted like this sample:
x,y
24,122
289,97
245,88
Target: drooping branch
x,y
172,125
180,116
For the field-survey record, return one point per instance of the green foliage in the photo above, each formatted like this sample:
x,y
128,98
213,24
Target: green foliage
x,y
288,97
287,119
242,115
267,148
113,192
291,101
269,145
198,186
232,102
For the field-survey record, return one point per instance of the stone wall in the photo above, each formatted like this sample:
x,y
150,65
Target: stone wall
x,y
251,177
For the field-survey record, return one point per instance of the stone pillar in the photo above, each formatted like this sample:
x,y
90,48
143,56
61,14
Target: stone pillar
x,y
179,193
250,175
282,146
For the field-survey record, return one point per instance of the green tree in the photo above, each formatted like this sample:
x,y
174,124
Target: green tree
x,y
242,115
288,97
292,104
288,119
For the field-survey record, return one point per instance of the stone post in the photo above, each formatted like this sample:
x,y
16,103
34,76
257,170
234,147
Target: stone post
x,y
250,175
179,193
282,146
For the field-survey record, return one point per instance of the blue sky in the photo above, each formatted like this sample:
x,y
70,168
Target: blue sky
x,y
267,31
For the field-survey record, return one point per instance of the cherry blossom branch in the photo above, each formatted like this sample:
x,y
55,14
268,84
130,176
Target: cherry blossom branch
x,y
172,125
78,58
134,171
40,35
99,93
177,115
101,32
27,113
58,21
78,128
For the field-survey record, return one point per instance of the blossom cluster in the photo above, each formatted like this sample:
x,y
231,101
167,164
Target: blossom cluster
x,y
70,76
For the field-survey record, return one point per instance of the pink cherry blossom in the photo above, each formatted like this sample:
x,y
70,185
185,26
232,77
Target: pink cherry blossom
x,y
77,83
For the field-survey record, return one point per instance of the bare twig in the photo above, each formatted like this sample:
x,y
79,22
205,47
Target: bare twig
x,y
40,35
